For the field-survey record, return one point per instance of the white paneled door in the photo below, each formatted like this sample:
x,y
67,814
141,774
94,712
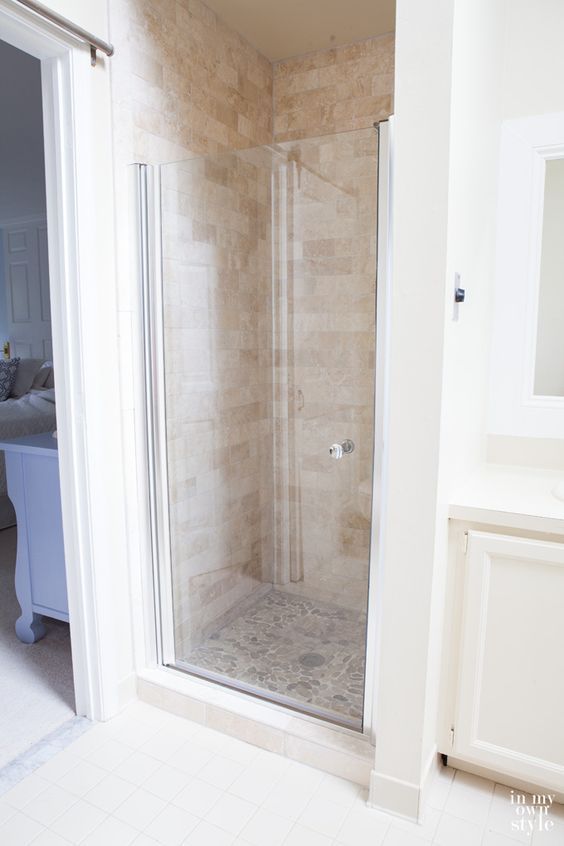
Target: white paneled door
x,y
510,697
26,286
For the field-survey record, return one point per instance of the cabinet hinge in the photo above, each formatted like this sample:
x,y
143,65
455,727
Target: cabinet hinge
x,y
465,543
451,735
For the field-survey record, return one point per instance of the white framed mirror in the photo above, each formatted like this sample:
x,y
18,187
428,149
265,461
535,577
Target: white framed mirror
x,y
549,348
527,373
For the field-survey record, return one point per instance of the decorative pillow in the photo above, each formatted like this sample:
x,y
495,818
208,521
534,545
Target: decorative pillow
x,y
41,377
8,368
50,381
25,374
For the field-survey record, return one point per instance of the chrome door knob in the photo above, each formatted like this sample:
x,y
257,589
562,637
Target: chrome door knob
x,y
344,448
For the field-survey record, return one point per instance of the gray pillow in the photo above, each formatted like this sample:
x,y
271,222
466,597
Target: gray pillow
x,y
8,368
25,374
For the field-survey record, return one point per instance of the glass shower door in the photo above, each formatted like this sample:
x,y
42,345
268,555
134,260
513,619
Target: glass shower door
x,y
269,266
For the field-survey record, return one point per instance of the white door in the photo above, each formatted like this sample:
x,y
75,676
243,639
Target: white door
x,y
510,698
26,284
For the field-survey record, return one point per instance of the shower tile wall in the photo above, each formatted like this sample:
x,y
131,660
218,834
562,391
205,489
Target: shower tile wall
x,y
323,538
336,90
217,316
184,84
326,359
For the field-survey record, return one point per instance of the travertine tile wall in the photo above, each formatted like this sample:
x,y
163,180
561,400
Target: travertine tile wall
x,y
185,85
337,90
324,374
325,387
216,252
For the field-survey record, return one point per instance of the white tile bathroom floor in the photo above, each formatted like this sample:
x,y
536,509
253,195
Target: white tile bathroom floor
x,y
148,777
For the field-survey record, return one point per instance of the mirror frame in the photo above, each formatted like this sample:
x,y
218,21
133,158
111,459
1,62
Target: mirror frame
x,y
514,409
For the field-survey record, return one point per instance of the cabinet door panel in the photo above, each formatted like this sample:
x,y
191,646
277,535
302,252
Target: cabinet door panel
x,y
511,679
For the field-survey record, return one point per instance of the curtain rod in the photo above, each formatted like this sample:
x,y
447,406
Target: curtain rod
x,y
64,23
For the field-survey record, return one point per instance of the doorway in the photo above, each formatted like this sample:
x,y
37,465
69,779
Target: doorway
x,y
36,685
82,254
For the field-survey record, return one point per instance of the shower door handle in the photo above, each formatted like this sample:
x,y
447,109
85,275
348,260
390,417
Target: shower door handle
x,y
344,448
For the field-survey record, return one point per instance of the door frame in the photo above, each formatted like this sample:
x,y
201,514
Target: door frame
x,y
80,215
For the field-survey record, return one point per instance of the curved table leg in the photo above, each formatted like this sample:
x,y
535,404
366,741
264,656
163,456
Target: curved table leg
x,y
29,627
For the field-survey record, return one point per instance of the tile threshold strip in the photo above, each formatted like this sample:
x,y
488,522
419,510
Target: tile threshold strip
x,y
42,751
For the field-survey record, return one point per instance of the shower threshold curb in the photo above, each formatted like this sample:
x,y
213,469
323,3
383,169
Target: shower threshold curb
x,y
333,749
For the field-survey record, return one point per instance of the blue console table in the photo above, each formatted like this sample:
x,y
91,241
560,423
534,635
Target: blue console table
x,y
32,472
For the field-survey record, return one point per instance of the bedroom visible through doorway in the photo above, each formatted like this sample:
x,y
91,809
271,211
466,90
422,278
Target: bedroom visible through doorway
x,y
36,683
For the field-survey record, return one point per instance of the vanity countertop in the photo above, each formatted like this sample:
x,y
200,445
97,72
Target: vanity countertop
x,y
518,497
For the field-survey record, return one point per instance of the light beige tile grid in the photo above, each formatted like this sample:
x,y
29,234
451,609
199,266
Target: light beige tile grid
x,y
148,777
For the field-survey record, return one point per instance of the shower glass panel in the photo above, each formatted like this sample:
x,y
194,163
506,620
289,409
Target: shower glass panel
x,y
269,292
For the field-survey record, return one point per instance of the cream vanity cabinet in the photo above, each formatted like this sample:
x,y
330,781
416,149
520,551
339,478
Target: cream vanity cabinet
x,y
503,697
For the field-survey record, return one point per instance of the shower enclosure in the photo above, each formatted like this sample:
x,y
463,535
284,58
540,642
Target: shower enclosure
x,y
261,350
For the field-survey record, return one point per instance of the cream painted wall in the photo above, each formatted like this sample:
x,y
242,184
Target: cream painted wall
x,y
420,187
533,86
439,366
474,141
92,15
534,58
533,69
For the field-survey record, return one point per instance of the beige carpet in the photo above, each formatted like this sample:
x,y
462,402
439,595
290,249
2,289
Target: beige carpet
x,y
36,686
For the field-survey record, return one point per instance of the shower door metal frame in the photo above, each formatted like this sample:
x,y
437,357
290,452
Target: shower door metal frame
x,y
148,261
384,236
158,586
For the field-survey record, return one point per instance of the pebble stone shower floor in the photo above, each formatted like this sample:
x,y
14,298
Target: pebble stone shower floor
x,y
305,650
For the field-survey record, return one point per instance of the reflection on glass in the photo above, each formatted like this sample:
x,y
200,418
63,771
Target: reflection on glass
x,y
549,362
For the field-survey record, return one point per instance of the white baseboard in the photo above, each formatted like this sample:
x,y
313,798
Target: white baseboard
x,y
403,798
394,796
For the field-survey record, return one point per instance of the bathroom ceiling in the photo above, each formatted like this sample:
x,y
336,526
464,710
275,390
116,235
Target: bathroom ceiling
x,y
293,27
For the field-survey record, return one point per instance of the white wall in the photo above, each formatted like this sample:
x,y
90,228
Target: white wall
x,y
421,155
533,58
472,200
22,171
444,212
532,87
533,71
